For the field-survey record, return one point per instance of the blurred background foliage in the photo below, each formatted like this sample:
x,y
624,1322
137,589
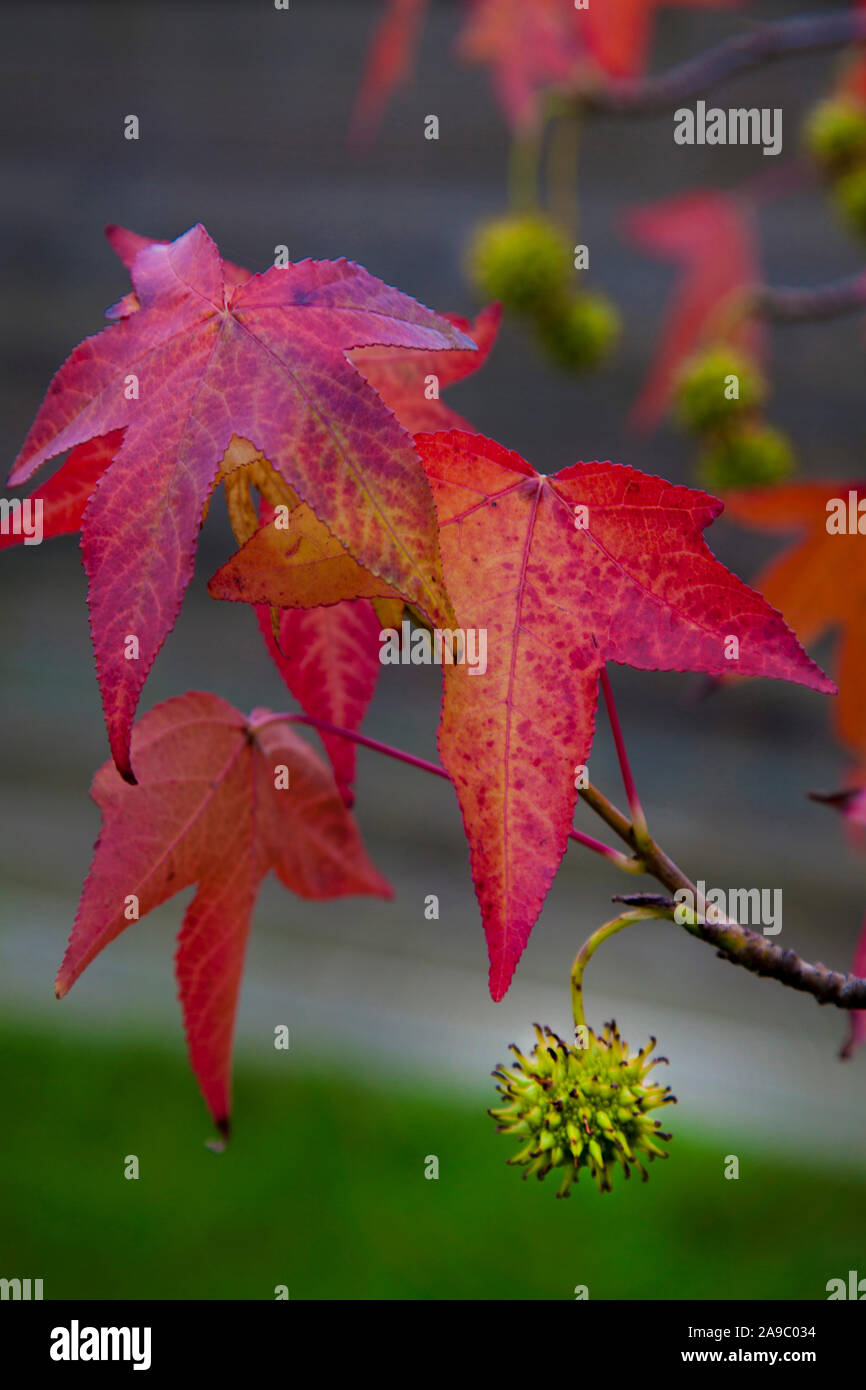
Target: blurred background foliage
x,y
323,1190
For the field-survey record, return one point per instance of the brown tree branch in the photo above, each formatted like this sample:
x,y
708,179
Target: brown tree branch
x,y
733,942
763,44
800,305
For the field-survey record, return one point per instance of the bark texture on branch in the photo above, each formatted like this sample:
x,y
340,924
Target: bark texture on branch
x,y
763,44
735,943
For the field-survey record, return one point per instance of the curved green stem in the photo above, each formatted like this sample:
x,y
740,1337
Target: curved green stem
x,y
563,148
591,945
523,161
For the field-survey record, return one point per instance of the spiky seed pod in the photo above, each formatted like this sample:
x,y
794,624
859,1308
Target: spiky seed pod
x,y
521,261
715,388
580,332
757,454
580,1108
835,134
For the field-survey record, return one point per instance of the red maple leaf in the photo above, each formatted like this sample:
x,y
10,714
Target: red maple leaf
x,y
634,582
65,496
404,379
198,365
221,801
328,656
126,244
329,660
596,563
710,235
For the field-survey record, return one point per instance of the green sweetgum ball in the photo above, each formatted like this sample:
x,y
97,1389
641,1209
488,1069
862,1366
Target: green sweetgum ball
x,y
716,388
582,1108
835,133
758,454
850,198
579,333
521,261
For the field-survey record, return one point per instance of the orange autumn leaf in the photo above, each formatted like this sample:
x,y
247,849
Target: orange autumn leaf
x,y
819,582
299,564
326,650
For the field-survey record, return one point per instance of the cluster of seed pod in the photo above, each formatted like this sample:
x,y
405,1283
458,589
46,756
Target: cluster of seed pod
x,y
719,395
835,136
582,1107
525,262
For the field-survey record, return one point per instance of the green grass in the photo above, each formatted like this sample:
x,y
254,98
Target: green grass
x,y
322,1189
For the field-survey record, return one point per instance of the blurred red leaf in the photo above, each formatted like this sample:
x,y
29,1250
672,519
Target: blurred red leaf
x,y
388,63
851,805
264,361
852,79
529,45
710,236
618,32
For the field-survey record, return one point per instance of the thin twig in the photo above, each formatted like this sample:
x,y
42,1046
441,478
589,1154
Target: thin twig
x,y
845,296
735,943
764,44
638,819
616,856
